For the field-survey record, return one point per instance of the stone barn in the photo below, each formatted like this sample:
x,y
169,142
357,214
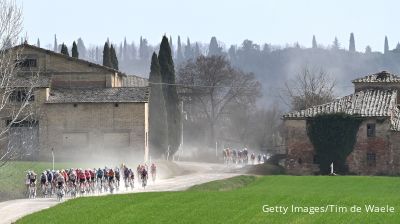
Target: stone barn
x,y
84,110
377,147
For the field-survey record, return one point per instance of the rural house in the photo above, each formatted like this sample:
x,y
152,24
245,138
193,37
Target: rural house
x,y
377,147
83,110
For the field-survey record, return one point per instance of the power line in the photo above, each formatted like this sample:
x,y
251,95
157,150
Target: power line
x,y
200,86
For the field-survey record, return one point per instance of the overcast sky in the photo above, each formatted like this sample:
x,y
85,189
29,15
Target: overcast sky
x,y
231,21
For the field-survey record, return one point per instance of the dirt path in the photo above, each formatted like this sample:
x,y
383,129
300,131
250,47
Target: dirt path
x,y
10,211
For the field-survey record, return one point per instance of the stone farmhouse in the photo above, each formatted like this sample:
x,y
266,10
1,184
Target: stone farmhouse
x,y
377,148
84,110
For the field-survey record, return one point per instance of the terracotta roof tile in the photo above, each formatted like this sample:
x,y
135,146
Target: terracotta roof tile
x,y
99,95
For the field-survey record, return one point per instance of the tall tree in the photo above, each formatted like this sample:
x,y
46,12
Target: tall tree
x,y
55,43
125,51
97,54
386,49
11,26
189,54
81,48
172,46
106,55
352,44
227,89
214,48
197,52
314,42
158,136
113,58
75,53
170,95
309,88
143,49
335,44
368,49
64,49
179,53
38,43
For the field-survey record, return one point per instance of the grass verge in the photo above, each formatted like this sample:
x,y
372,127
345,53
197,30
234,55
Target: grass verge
x,y
240,205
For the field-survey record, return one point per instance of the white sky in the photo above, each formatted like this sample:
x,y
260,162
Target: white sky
x,y
231,21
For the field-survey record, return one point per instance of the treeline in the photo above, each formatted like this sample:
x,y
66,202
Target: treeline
x,y
272,65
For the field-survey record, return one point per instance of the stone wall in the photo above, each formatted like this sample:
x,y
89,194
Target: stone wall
x,y
385,145
69,72
98,130
300,150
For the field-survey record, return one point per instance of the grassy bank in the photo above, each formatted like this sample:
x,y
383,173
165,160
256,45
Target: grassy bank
x,y
214,203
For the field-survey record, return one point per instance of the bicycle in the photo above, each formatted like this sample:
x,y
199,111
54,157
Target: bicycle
x,y
60,193
32,190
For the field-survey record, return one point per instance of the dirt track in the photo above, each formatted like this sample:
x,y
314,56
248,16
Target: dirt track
x,y
10,211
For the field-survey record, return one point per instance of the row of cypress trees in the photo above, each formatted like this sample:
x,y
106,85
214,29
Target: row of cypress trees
x,y
109,56
64,50
164,114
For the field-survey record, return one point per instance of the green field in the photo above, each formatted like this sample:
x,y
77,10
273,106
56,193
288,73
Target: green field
x,y
215,202
12,177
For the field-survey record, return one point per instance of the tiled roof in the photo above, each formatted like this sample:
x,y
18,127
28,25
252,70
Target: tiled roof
x,y
368,103
134,81
29,80
381,77
99,95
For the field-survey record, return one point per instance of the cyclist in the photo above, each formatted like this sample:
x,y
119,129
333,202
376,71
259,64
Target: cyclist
x,y
144,176
153,170
32,183
117,176
43,182
111,176
60,185
82,180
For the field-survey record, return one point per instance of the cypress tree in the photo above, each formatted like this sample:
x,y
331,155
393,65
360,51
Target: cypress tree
x,y
106,55
314,42
188,50
172,46
158,136
81,48
179,53
113,58
213,48
352,44
75,53
55,44
64,49
386,49
336,44
170,95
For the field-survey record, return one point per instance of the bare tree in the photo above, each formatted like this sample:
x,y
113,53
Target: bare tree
x,y
16,88
215,88
308,88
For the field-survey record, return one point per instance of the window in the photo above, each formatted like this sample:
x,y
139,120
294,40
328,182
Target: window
x,y
21,96
370,130
27,63
371,159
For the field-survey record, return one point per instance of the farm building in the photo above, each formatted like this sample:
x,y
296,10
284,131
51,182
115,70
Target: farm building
x,y
376,151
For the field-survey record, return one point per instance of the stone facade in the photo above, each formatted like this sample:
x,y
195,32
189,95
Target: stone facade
x,y
377,147
110,121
